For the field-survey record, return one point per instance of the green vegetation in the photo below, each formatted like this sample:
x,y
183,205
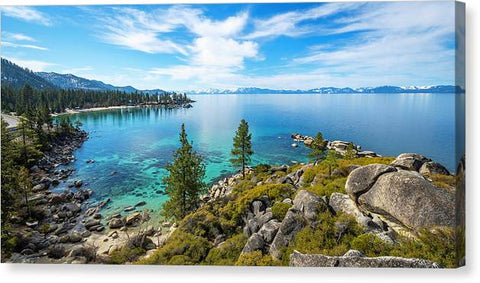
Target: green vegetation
x,y
185,182
234,209
437,245
21,149
350,152
127,254
332,234
181,249
279,210
242,147
318,146
57,100
257,259
330,161
228,252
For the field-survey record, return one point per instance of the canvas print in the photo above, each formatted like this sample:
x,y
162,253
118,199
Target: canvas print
x,y
255,134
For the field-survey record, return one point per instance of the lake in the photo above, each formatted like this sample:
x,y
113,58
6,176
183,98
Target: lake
x,y
137,143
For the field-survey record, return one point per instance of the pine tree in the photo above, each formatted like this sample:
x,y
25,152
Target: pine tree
x,y
330,161
242,147
24,182
318,146
7,172
27,149
350,153
185,180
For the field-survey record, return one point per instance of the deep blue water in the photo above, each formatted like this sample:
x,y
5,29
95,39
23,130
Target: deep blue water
x,y
137,143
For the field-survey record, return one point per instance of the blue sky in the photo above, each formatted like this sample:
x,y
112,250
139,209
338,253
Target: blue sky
x,y
281,46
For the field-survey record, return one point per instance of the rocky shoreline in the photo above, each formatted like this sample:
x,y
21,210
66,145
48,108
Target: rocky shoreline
x,y
68,227
339,146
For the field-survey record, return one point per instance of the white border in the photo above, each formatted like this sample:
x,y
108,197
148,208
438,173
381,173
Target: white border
x,y
94,273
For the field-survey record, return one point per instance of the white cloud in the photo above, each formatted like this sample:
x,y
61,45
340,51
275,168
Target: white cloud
x,y
17,37
398,42
28,14
16,45
138,30
33,65
291,23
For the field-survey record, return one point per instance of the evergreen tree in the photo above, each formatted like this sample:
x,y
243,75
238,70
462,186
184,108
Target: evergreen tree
x,y
318,147
330,161
7,172
185,180
28,147
350,152
24,182
242,147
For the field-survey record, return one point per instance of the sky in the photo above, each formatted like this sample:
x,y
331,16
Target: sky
x,y
278,46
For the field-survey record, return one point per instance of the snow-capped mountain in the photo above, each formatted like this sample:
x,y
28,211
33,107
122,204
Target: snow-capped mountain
x,y
333,90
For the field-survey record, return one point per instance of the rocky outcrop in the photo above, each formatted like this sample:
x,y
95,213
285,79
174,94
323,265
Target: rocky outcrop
x,y
356,259
409,198
304,211
362,179
410,161
429,168
400,194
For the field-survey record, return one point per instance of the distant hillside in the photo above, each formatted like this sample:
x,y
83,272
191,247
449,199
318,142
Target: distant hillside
x,y
17,77
334,90
69,81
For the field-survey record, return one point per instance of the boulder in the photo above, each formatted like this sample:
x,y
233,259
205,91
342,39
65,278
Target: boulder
x,y
433,168
290,226
409,198
269,230
140,203
254,243
133,219
91,223
362,179
75,237
116,223
410,161
309,204
357,259
40,187
257,207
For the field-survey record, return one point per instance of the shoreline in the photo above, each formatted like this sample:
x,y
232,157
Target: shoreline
x,y
105,108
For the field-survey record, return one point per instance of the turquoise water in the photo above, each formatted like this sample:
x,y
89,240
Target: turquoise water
x,y
137,143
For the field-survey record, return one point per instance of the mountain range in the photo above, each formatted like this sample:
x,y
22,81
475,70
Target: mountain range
x,y
17,77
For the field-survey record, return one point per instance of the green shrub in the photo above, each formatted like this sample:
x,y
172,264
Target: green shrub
x,y
309,175
261,168
331,236
257,259
328,186
227,253
237,207
201,223
193,250
279,210
124,255
437,245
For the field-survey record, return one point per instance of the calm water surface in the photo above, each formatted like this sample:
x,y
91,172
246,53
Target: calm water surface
x,y
137,143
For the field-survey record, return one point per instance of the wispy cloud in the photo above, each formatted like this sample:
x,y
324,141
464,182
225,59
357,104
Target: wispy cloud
x,y
393,40
16,37
28,14
16,45
293,24
34,65
139,30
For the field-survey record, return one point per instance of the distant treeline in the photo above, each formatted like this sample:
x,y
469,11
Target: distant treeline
x,y
57,100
